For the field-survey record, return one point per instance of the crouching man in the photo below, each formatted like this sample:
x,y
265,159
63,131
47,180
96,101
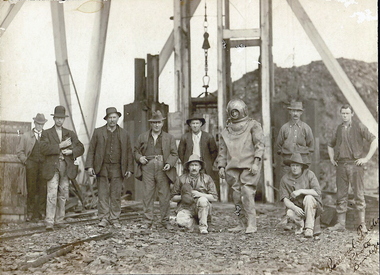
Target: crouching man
x,y
301,193
194,192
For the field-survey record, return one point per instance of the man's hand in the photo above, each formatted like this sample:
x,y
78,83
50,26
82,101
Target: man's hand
x,y
67,152
166,167
299,212
222,173
143,160
65,143
91,172
361,161
333,162
128,174
255,169
196,194
295,194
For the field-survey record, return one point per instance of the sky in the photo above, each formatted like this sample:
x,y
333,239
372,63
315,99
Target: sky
x,y
28,81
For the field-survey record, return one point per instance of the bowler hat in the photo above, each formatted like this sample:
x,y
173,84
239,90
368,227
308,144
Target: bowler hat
x,y
193,158
296,158
156,116
59,111
40,118
296,106
111,110
196,117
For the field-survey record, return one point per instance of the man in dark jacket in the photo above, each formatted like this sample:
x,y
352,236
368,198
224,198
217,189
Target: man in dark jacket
x,y
29,153
61,147
200,143
156,155
110,158
348,157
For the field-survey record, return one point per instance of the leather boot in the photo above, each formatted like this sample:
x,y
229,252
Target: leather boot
x,y
361,220
241,220
341,223
252,227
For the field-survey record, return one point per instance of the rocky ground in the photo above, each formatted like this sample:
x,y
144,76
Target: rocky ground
x,y
134,250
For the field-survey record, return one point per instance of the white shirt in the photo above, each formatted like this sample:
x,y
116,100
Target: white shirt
x,y
197,143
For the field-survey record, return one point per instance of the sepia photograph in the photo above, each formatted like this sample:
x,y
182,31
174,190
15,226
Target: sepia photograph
x,y
189,137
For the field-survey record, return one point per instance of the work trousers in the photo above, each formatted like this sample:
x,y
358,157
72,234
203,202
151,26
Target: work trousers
x,y
346,173
243,184
185,217
36,186
57,195
155,180
310,206
109,193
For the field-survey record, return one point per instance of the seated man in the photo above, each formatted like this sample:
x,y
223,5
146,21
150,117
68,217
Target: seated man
x,y
301,194
194,191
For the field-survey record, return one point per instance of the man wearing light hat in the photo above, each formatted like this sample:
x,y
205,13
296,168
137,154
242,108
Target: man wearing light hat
x,y
156,155
110,158
295,136
61,148
194,192
301,193
29,153
199,143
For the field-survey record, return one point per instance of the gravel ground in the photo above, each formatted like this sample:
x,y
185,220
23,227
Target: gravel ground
x,y
134,250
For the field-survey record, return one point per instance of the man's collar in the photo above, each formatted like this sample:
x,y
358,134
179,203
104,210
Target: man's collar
x,y
58,128
298,123
151,133
109,129
347,125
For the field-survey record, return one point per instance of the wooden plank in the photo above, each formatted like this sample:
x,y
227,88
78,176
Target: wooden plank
x,y
334,68
240,33
265,99
243,43
221,86
11,14
60,47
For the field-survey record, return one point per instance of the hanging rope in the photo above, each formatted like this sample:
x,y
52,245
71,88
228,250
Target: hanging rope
x,y
205,47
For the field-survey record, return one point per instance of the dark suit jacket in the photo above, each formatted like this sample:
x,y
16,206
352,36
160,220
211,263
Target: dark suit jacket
x,y
169,149
209,150
97,150
50,148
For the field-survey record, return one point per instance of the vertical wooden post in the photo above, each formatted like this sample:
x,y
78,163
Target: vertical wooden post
x,y
182,57
177,55
221,87
227,52
265,98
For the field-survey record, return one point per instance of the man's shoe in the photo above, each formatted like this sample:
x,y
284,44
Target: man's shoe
x,y
62,225
363,228
251,229
204,231
308,233
49,227
116,225
338,227
103,223
299,231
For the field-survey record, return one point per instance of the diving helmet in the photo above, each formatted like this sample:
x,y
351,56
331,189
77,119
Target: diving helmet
x,y
237,109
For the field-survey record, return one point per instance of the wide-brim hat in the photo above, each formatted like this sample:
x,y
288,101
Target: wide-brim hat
x,y
59,111
193,158
111,110
296,106
40,118
157,116
296,158
196,117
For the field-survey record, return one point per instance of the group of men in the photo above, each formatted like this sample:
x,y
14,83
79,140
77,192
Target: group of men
x,y
51,156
